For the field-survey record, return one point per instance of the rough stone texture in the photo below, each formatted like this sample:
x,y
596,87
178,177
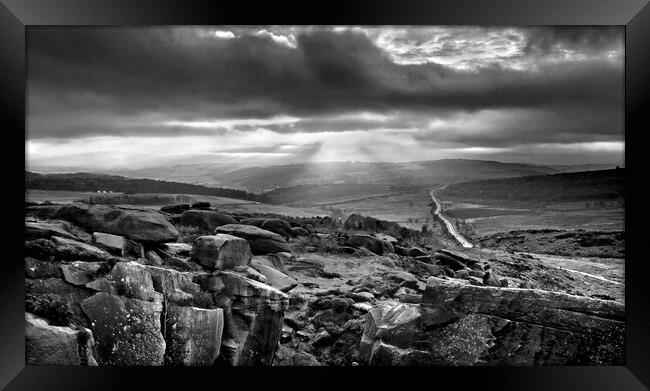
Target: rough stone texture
x,y
175,286
55,345
210,283
35,268
175,209
371,243
449,261
134,249
127,331
395,324
261,241
387,238
205,220
178,249
136,224
271,260
42,211
409,251
38,230
193,335
114,244
278,226
276,278
522,323
129,279
63,244
153,258
53,297
221,251
80,273
463,258
253,321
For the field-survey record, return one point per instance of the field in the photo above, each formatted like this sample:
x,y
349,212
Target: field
x,y
498,217
231,204
590,200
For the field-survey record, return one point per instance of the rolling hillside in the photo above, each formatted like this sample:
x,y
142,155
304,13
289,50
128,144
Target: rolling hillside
x,y
567,187
258,179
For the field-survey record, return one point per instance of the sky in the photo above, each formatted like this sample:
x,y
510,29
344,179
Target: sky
x,y
127,98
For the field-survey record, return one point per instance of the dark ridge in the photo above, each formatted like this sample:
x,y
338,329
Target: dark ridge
x,y
93,182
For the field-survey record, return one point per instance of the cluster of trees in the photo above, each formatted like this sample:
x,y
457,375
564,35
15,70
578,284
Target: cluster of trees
x,y
98,182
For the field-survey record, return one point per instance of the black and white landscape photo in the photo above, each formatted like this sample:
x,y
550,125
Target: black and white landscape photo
x,y
325,196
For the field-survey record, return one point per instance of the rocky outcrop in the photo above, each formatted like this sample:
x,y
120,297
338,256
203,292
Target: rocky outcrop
x,y
370,243
193,335
278,226
276,278
205,220
261,241
175,209
70,245
56,345
221,251
128,331
397,325
114,244
39,230
143,225
253,320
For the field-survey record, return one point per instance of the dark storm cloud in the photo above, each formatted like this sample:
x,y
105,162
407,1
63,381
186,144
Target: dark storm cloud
x,y
586,39
120,81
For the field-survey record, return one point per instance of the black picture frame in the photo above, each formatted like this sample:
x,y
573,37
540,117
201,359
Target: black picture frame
x,y
17,15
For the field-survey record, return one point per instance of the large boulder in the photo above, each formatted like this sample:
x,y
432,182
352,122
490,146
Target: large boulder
x,y
369,224
80,273
221,251
261,241
175,286
128,331
38,230
449,261
143,225
276,278
253,321
114,244
395,324
56,345
511,326
279,226
75,246
130,279
193,335
463,258
205,220
370,243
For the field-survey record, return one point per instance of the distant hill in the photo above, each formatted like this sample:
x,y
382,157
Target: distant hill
x,y
566,187
100,182
396,174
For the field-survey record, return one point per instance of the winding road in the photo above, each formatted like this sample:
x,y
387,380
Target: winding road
x,y
450,227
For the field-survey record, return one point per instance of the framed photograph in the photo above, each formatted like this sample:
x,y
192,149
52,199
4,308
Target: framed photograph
x,y
435,190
